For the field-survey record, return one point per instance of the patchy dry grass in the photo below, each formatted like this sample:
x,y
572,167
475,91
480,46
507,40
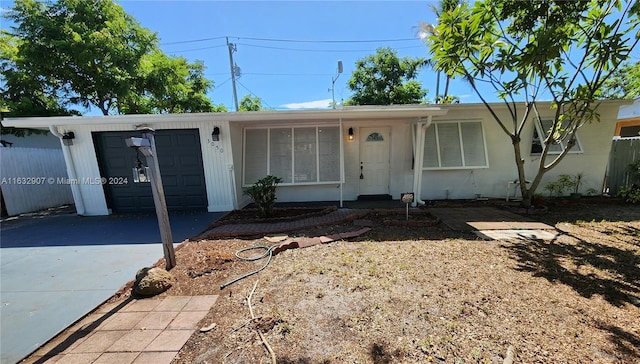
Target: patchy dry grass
x,y
444,299
427,294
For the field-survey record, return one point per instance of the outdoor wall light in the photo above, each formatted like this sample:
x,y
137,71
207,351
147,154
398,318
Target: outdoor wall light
x,y
215,135
350,133
67,138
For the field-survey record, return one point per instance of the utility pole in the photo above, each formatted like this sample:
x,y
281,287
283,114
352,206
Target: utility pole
x,y
232,48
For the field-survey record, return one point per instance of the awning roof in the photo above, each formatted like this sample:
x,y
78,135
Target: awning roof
x,y
404,112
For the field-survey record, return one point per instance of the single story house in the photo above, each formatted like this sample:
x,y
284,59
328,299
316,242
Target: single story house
x,y
439,151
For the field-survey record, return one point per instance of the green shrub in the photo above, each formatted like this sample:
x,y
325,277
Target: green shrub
x,y
263,194
630,194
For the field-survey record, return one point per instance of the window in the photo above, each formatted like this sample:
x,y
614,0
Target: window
x,y
301,155
375,137
455,145
543,127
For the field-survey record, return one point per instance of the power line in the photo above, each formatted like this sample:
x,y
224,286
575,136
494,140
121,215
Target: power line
x,y
328,41
191,41
251,93
294,40
320,50
289,74
198,49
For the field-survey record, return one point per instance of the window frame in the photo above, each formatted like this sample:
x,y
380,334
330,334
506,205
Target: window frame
x,y
318,162
461,145
539,130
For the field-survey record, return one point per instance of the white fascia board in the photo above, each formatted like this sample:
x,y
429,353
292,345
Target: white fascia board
x,y
348,113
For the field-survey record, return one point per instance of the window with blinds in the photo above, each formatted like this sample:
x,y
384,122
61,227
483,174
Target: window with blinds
x,y
301,155
455,145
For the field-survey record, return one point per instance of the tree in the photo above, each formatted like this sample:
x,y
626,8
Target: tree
x,y
94,53
552,49
624,83
22,95
249,103
167,85
425,31
385,79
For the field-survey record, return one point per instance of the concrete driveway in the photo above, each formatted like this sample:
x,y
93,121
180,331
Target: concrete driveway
x,y
56,269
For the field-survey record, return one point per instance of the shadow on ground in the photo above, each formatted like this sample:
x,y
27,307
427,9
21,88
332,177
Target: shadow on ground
x,y
608,268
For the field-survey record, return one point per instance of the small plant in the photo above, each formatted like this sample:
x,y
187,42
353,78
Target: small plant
x,y
634,169
576,180
564,183
263,194
630,194
558,187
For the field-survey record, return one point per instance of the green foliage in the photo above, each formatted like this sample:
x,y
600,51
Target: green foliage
x,y
94,53
624,83
21,94
249,103
634,169
528,50
564,183
630,194
168,85
385,79
263,194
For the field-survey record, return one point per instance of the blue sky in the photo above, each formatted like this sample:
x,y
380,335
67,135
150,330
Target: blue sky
x,y
296,45
286,74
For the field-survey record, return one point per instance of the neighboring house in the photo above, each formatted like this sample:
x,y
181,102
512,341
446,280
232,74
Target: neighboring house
x,y
26,164
628,124
46,141
625,148
452,151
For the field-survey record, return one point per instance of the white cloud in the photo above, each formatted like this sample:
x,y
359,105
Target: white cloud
x,y
317,104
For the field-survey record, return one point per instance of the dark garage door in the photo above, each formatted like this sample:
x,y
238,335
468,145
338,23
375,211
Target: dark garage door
x,y
180,160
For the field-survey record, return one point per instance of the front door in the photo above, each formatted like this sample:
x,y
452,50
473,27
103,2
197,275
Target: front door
x,y
374,161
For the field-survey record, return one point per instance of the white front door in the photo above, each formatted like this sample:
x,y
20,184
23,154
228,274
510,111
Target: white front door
x,y
374,160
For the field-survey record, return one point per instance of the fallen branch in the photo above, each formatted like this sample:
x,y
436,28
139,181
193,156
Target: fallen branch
x,y
253,317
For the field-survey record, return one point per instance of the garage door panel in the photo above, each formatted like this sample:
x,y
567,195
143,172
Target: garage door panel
x,y
192,180
188,161
163,141
180,162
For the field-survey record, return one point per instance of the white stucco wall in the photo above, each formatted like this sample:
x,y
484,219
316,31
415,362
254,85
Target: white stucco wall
x,y
595,139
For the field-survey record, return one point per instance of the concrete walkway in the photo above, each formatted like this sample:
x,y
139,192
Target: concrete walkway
x,y
56,269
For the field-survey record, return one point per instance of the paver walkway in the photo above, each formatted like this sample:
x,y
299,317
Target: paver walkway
x,y
134,331
340,215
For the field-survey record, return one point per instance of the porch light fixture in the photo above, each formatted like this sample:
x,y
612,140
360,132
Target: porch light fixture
x,y
350,133
67,138
215,135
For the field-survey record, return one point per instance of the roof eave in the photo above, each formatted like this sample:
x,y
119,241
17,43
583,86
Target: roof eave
x,y
348,113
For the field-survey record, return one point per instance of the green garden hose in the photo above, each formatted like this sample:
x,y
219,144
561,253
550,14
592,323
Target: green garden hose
x,y
268,251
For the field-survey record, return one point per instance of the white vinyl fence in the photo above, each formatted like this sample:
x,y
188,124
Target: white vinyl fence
x,y
33,179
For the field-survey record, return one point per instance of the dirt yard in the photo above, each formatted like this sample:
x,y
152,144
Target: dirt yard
x,y
427,294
